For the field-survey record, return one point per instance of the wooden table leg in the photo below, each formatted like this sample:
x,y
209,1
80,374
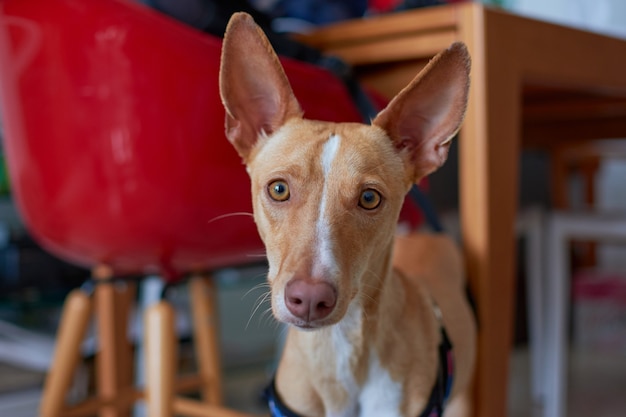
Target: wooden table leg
x,y
203,297
488,166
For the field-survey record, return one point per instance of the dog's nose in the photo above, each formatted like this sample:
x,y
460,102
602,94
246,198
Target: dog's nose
x,y
309,300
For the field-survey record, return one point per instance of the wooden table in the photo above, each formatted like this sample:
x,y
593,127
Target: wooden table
x,y
533,83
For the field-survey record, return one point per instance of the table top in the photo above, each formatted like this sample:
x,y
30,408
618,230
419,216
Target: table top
x,y
572,80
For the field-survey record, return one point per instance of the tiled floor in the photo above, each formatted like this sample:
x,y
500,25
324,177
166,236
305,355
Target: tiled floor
x,y
597,387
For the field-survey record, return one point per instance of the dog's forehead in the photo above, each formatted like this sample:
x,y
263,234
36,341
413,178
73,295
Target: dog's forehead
x,y
355,147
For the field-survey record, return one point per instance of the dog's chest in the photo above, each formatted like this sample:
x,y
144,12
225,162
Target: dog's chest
x,y
374,394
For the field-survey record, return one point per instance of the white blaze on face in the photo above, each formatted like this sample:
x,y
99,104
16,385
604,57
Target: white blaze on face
x,y
326,261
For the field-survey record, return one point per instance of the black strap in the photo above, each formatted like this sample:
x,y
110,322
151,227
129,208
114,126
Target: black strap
x,y
438,395
423,202
343,71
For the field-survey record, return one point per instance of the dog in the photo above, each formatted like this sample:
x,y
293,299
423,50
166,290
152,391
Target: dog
x,y
376,322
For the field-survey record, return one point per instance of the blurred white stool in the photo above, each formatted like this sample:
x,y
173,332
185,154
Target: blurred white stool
x,y
530,225
548,235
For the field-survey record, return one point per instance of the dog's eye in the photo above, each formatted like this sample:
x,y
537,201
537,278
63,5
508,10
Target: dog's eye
x,y
370,199
278,190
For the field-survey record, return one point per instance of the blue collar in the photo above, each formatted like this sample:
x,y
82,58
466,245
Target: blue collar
x,y
438,396
276,406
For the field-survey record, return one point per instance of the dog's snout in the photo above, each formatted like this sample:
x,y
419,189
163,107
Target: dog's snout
x,y
309,300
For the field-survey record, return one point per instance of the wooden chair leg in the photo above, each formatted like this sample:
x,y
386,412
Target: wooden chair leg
x,y
72,328
125,300
114,356
160,352
205,333
190,408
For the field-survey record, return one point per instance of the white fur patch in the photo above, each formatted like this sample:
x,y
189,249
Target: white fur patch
x,y
380,396
326,260
342,337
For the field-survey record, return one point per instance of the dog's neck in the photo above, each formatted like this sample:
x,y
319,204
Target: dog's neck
x,y
346,357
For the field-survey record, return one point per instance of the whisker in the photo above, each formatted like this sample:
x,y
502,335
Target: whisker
x,y
368,296
256,287
262,299
268,317
224,216
262,273
376,275
283,331
378,280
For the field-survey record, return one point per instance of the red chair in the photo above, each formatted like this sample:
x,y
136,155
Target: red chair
x,y
117,158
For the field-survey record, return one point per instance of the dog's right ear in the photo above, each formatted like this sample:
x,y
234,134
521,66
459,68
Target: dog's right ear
x,y
254,88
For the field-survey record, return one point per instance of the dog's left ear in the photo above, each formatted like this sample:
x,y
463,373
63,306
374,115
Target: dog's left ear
x,y
424,117
254,88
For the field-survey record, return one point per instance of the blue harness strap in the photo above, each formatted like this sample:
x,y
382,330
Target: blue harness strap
x,y
276,406
438,396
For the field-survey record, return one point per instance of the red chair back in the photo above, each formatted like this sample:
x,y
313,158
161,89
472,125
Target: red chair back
x,y
114,136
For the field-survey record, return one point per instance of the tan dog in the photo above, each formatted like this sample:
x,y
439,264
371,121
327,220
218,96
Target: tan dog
x,y
364,336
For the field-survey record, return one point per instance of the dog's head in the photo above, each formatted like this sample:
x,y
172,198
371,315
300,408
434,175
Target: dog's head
x,y
327,196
